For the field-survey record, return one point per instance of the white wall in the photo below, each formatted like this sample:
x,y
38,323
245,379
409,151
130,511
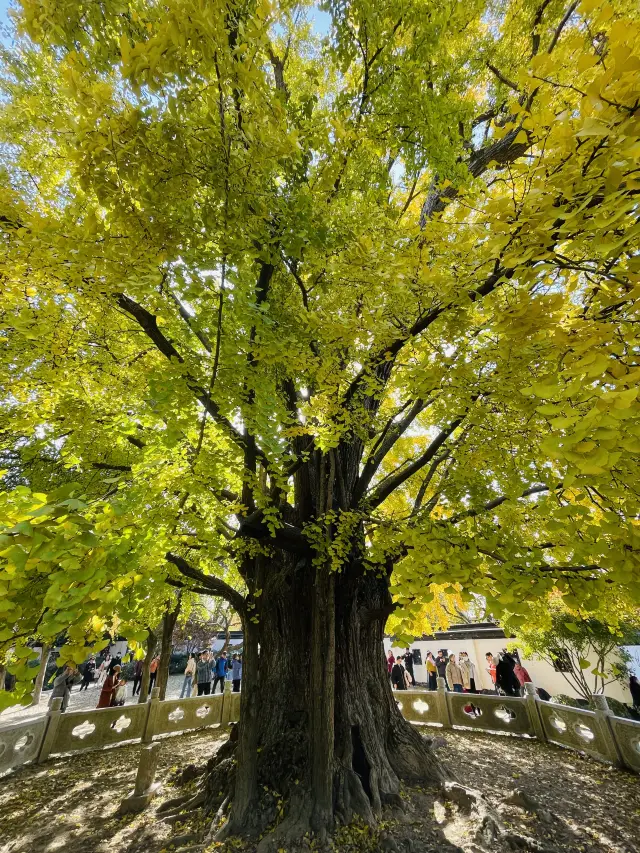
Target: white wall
x,y
542,673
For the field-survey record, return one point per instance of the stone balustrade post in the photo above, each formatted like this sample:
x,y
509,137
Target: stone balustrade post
x,y
145,788
531,701
603,712
444,714
225,717
153,708
53,721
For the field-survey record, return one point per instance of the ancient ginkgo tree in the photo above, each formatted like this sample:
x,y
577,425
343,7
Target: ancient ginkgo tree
x,y
317,309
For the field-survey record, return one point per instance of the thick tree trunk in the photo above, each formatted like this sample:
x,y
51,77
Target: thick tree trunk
x,y
320,730
152,642
168,624
37,686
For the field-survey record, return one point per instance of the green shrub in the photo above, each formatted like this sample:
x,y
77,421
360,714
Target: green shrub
x,y
618,708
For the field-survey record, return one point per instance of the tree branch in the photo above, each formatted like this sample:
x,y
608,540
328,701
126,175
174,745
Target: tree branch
x,y
214,585
496,502
503,78
149,325
380,493
562,25
390,435
204,340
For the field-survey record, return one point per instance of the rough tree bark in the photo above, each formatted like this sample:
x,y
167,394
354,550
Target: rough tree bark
x,y
320,729
152,642
168,624
37,686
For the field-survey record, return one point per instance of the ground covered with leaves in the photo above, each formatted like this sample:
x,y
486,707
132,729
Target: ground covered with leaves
x,y
562,800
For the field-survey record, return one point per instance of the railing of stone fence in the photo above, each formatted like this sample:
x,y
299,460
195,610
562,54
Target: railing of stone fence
x,y
597,733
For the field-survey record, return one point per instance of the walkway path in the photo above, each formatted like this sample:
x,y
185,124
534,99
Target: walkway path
x,y
84,700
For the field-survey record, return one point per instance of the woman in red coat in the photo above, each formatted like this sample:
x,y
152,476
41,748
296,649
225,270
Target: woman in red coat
x,y
108,692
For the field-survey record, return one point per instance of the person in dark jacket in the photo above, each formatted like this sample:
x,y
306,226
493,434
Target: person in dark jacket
x,y
408,663
398,675
89,673
634,687
441,664
506,678
236,672
137,676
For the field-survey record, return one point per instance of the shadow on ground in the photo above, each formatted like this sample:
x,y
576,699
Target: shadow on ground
x,y
70,804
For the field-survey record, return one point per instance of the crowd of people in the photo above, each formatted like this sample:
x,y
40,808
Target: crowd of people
x,y
505,670
203,675
208,672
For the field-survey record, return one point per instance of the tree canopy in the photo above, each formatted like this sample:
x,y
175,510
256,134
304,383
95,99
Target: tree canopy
x,y
397,237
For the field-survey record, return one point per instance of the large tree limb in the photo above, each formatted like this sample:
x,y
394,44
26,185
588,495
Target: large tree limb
x,y
385,356
401,475
288,536
390,435
148,323
215,586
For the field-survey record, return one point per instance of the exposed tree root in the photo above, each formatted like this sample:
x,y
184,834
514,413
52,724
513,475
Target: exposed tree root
x,y
174,810
168,805
490,833
525,801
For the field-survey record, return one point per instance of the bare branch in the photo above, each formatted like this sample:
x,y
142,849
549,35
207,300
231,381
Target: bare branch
x,y
401,475
215,586
503,78
204,340
496,502
149,325
562,24
393,430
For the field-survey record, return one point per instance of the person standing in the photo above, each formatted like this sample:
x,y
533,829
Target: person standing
x,y
62,685
441,664
634,689
153,671
89,672
103,669
189,672
398,673
115,661
453,675
236,672
468,674
220,671
138,669
390,662
408,664
491,669
111,684
203,674
432,672
505,676
522,675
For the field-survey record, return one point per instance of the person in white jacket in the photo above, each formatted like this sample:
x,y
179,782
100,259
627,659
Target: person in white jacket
x,y
468,674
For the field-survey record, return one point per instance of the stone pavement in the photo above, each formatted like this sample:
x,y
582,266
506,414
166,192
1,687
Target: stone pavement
x,y
80,701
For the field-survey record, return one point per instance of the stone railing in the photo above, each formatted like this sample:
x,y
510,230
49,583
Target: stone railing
x,y
597,733
60,733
